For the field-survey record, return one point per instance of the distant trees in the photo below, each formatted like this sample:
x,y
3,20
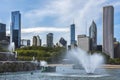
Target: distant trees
x,y
108,60
51,55
114,61
106,57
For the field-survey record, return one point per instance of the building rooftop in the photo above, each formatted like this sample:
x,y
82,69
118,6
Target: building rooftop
x,y
82,36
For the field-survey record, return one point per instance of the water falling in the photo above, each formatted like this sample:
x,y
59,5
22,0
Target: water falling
x,y
88,61
11,47
43,63
33,59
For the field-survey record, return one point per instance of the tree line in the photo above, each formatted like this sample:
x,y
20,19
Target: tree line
x,y
51,55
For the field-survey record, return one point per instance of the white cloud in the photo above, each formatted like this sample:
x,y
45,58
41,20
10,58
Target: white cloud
x,y
28,33
42,29
116,3
67,10
64,11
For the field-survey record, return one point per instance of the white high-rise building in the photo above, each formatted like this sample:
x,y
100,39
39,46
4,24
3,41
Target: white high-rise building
x,y
84,42
108,30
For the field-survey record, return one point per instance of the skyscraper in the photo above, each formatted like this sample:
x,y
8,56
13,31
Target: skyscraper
x,y
108,30
50,40
25,42
93,36
72,29
2,31
84,42
38,40
34,40
16,28
63,42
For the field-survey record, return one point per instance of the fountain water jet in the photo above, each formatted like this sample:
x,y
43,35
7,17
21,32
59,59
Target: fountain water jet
x,y
11,47
43,63
88,61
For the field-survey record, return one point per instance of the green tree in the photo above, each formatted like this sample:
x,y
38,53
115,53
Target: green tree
x,y
41,53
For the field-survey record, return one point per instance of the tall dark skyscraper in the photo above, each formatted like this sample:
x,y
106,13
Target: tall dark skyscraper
x,y
93,36
72,36
108,30
50,40
16,28
2,31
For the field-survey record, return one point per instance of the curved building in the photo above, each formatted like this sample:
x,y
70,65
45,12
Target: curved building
x,y
36,41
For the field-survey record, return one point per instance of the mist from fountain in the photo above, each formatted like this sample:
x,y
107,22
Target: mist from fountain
x,y
11,47
43,63
88,61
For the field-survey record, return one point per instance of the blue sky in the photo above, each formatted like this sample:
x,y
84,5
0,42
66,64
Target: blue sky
x,y
40,17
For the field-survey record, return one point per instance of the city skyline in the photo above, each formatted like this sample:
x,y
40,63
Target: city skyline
x,y
44,17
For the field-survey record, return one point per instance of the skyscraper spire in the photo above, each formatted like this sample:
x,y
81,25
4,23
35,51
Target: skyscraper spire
x,y
73,21
86,27
93,35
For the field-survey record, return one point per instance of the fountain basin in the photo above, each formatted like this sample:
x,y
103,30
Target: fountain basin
x,y
7,56
15,66
73,75
111,74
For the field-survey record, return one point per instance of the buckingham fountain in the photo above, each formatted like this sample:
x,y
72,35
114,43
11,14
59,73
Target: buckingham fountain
x,y
9,62
85,66
87,60
89,68
8,54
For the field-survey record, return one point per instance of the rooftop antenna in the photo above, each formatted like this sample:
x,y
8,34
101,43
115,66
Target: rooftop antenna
x,y
86,27
73,21
10,32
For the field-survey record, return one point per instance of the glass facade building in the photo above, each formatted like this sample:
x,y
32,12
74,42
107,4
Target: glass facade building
x,y
16,28
93,36
72,29
2,31
50,40
63,42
